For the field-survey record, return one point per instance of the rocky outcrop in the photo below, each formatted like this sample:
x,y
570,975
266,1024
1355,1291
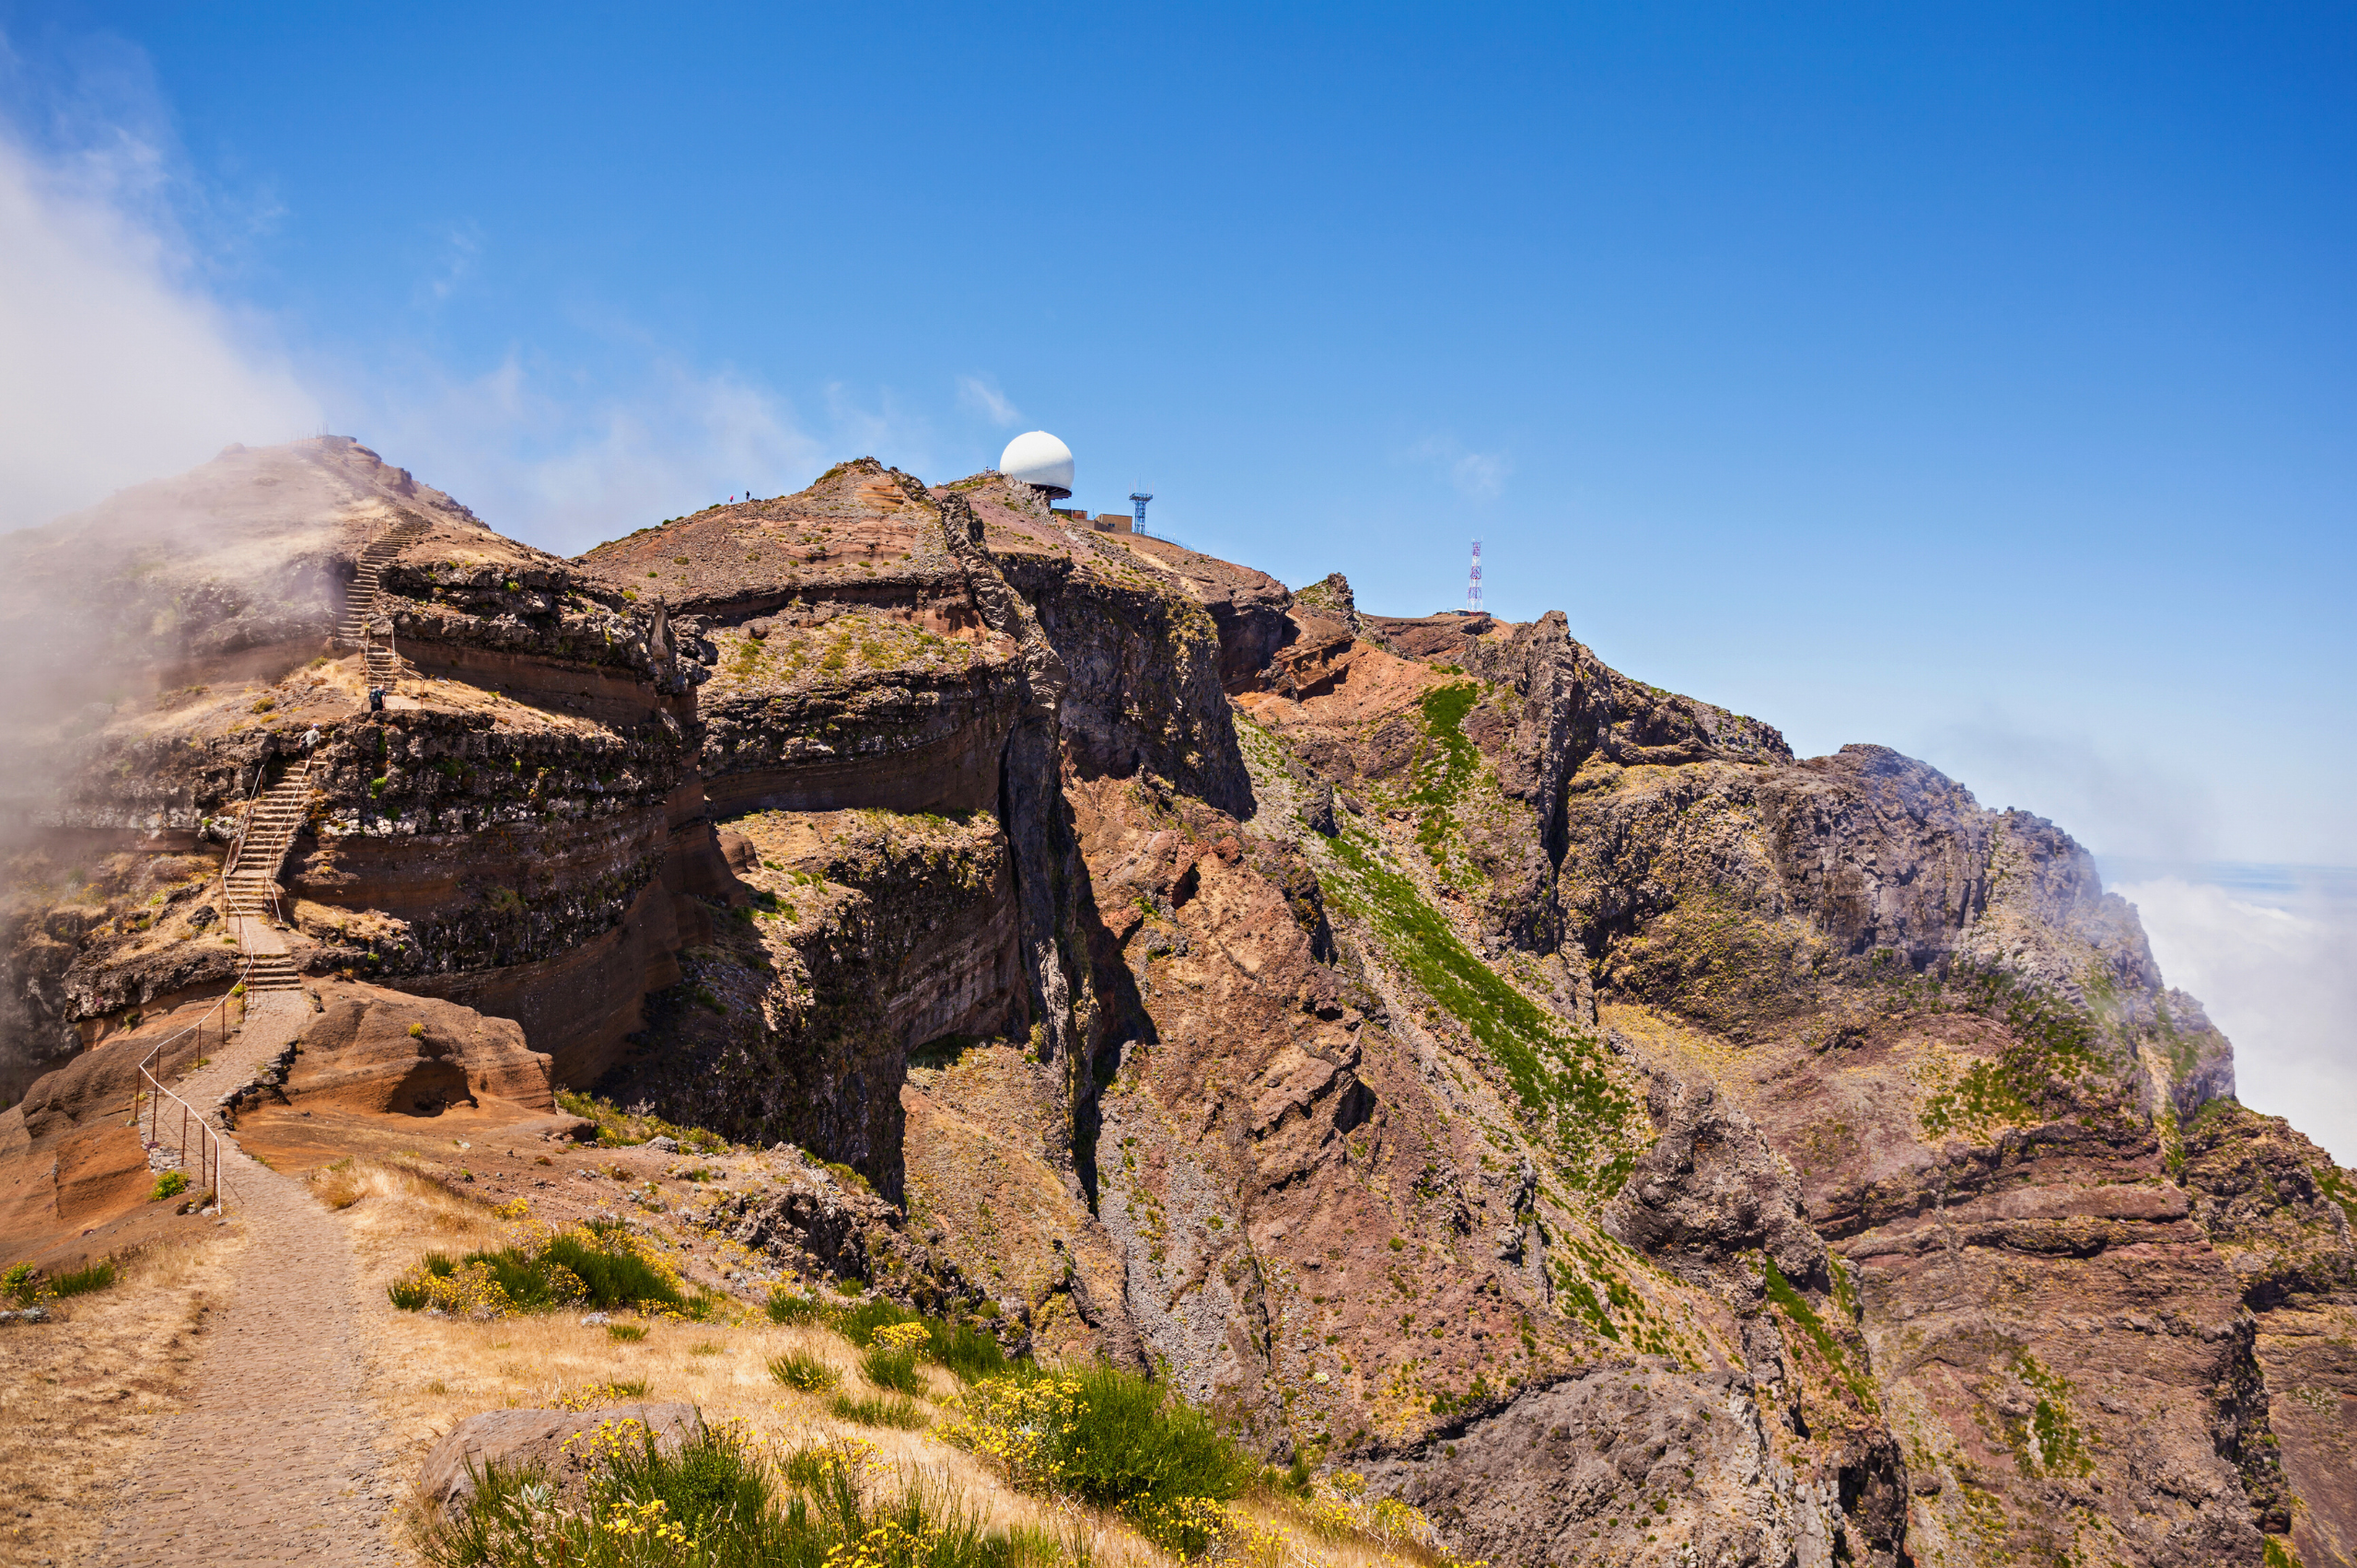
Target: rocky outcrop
x,y
1639,1464
379,1052
855,939
1440,1053
1710,1195
561,1446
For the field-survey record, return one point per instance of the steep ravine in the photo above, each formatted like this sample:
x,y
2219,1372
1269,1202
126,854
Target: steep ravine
x,y
1443,1054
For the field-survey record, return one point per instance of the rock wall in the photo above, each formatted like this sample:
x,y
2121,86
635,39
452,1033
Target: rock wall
x,y
1439,1053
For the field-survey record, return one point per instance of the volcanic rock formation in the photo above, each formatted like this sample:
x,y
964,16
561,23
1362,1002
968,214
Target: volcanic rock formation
x,y
1441,1053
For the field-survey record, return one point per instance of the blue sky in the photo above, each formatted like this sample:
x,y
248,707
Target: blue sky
x,y
1975,379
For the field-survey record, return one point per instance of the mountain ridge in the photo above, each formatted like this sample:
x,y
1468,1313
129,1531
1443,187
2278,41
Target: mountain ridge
x,y
1436,1049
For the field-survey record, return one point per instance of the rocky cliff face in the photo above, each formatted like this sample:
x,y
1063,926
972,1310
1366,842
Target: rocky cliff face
x,y
1440,1053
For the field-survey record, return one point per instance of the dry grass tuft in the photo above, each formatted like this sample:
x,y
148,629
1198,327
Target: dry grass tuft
x,y
79,1395
430,1374
339,1185
425,1374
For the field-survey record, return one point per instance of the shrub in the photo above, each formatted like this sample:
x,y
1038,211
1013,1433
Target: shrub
x,y
83,1281
1113,1439
171,1184
628,1333
800,1369
891,1368
20,1283
884,1409
617,1126
858,1324
788,1307
715,1503
911,1337
966,1351
602,1266
612,1272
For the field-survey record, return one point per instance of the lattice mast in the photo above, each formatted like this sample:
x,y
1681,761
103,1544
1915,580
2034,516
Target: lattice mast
x,y
1138,498
1473,583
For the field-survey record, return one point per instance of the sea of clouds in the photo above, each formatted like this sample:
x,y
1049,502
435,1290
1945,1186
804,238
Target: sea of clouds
x,y
2271,951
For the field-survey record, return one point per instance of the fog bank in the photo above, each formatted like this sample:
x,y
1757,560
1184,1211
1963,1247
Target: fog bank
x,y
2271,951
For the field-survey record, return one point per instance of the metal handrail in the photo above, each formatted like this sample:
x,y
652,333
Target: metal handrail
x,y
208,1141
301,771
245,821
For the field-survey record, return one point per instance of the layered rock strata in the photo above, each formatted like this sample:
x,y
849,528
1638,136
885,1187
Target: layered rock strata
x,y
1437,1052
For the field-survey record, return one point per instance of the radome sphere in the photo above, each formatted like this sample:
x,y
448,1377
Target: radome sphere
x,y
1040,461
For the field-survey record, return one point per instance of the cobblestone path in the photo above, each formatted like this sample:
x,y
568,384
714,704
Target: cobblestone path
x,y
273,1458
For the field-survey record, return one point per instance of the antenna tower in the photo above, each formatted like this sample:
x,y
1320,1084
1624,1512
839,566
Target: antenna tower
x,y
1138,498
1473,583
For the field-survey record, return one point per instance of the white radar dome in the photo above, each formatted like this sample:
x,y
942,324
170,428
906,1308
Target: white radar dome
x,y
1039,460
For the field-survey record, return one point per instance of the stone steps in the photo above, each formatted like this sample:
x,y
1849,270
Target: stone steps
x,y
273,972
360,602
250,882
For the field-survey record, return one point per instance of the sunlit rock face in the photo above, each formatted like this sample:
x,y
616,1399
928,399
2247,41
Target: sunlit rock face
x,y
1442,1054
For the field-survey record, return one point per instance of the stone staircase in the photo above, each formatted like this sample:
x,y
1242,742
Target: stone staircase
x,y
361,600
251,879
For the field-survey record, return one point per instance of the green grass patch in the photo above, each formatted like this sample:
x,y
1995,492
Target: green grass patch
x,y
1451,764
881,1409
969,1352
894,1370
2047,1442
859,1324
83,1281
605,1267
1558,1071
792,1307
2339,1190
800,1369
2053,1047
1804,1317
1113,1439
618,1128
717,1502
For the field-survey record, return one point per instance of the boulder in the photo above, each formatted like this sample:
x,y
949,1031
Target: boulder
x,y
1711,1190
563,1445
383,1052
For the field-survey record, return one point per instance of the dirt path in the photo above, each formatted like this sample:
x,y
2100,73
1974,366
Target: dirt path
x,y
274,1459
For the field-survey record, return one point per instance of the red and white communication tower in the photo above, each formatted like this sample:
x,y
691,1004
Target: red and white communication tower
x,y
1473,584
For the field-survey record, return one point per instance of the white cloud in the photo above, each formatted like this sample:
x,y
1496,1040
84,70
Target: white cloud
x,y
983,397
460,248
115,366
539,463
2118,802
2281,981
1479,476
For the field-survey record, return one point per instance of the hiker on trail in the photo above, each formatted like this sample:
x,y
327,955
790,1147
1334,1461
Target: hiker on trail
x,y
376,698
311,738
